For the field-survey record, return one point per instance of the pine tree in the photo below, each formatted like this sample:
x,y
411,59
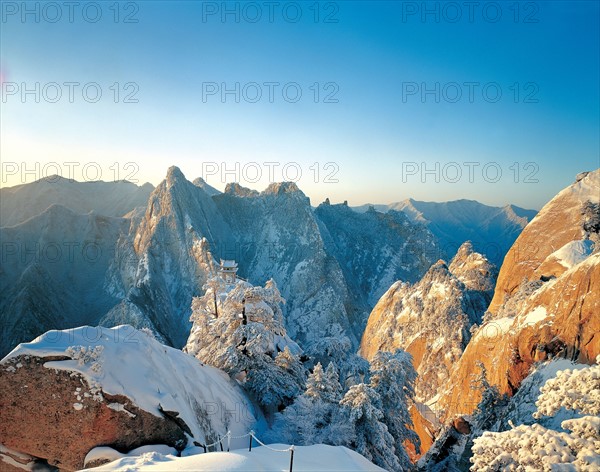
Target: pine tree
x,y
393,377
336,347
372,438
315,417
243,334
491,405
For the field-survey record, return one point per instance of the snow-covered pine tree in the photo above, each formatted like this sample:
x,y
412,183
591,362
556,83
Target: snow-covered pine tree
x,y
243,333
372,438
393,377
316,417
573,444
492,404
336,347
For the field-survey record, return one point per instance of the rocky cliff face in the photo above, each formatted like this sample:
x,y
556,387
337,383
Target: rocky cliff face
x,y
277,236
164,259
432,318
545,304
374,250
562,220
52,272
169,255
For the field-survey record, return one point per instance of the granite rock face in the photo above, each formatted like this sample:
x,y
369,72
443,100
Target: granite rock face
x,y
432,319
546,301
55,415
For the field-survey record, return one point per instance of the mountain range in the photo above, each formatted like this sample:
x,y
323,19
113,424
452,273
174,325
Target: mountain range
x,y
491,230
138,254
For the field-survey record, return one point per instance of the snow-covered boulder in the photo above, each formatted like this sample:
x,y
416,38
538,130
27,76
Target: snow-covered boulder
x,y
69,391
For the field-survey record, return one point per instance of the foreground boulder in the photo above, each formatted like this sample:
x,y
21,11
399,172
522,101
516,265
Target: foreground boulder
x,y
70,391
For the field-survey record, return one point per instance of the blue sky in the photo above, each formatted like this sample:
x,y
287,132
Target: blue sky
x,y
380,141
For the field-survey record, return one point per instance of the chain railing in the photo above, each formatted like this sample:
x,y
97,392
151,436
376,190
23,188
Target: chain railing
x,y
228,436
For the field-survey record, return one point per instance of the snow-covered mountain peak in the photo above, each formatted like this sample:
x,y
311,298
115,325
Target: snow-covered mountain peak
x,y
200,182
280,188
432,318
174,173
473,269
238,190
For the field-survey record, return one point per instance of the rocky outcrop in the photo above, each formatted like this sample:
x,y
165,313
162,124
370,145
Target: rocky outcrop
x,y
451,450
546,303
51,414
424,423
562,220
432,318
561,319
68,392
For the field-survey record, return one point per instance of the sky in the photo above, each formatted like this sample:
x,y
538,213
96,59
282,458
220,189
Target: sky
x,y
369,102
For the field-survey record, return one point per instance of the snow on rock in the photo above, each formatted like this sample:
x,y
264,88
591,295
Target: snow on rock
x,y
315,458
122,387
555,308
432,319
522,405
103,454
569,217
155,377
573,252
538,314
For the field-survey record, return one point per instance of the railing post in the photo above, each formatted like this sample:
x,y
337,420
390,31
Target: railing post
x,y
291,458
250,448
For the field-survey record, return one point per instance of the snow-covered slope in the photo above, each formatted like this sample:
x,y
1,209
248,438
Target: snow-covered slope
x,y
120,363
22,202
155,377
492,230
317,458
432,318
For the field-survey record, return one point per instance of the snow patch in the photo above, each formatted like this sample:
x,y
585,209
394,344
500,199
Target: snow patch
x,y
120,407
573,253
538,314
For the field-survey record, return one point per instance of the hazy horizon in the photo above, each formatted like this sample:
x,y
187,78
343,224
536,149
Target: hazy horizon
x,y
221,187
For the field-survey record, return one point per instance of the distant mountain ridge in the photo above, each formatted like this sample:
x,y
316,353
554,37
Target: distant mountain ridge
x,y
492,230
25,201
